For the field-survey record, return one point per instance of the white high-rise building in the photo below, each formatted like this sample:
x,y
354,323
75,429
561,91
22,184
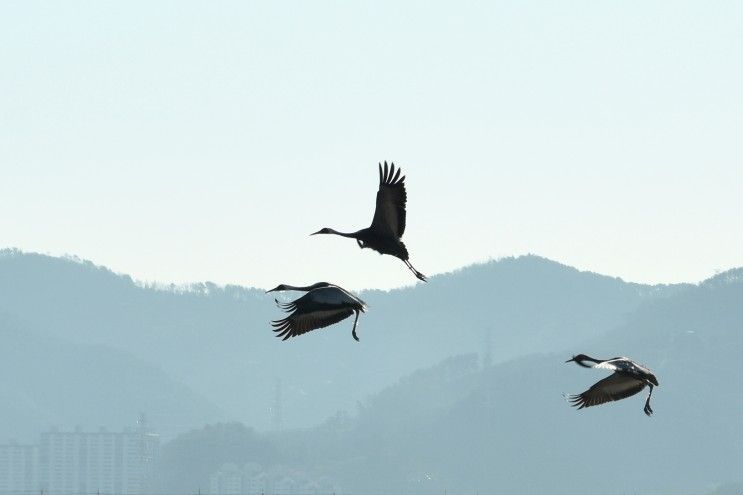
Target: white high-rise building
x,y
227,481
253,480
66,463
105,462
18,468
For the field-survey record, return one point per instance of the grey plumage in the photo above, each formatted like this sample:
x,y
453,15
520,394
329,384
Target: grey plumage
x,y
628,379
324,304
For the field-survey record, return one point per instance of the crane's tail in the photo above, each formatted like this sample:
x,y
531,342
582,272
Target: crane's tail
x,y
417,274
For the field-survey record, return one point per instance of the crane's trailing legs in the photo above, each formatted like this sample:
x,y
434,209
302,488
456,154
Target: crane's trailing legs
x,y
417,274
353,332
648,410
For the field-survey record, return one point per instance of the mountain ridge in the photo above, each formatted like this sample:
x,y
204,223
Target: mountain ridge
x,y
218,342
55,383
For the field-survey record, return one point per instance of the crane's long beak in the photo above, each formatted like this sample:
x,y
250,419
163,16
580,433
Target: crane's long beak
x,y
273,290
318,232
570,360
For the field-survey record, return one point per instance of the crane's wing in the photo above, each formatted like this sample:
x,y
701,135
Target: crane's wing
x,y
389,216
300,322
614,387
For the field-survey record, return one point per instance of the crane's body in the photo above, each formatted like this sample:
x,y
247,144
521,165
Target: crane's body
x,y
388,225
628,379
322,305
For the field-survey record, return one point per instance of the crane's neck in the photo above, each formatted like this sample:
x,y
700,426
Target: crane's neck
x,y
306,288
352,235
582,359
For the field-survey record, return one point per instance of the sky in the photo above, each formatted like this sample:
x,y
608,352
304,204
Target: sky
x,y
191,141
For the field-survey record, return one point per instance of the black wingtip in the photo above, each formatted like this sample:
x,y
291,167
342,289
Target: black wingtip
x,y
396,176
575,401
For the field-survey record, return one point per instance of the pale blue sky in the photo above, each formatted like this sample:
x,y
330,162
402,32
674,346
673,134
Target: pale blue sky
x,y
187,141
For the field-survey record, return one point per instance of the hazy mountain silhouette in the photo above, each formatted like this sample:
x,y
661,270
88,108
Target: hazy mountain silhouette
x,y
217,340
506,428
50,382
84,345
727,489
191,458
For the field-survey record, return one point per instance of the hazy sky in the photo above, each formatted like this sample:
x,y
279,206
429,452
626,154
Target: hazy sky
x,y
187,141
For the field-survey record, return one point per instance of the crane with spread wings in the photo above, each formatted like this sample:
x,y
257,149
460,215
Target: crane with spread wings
x,y
628,379
388,224
323,304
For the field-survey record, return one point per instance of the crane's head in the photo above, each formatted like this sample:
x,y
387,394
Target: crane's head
x,y
324,230
278,288
580,360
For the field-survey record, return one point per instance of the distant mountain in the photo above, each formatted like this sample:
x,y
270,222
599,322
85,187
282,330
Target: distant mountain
x,y
506,429
190,459
727,489
47,382
217,341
